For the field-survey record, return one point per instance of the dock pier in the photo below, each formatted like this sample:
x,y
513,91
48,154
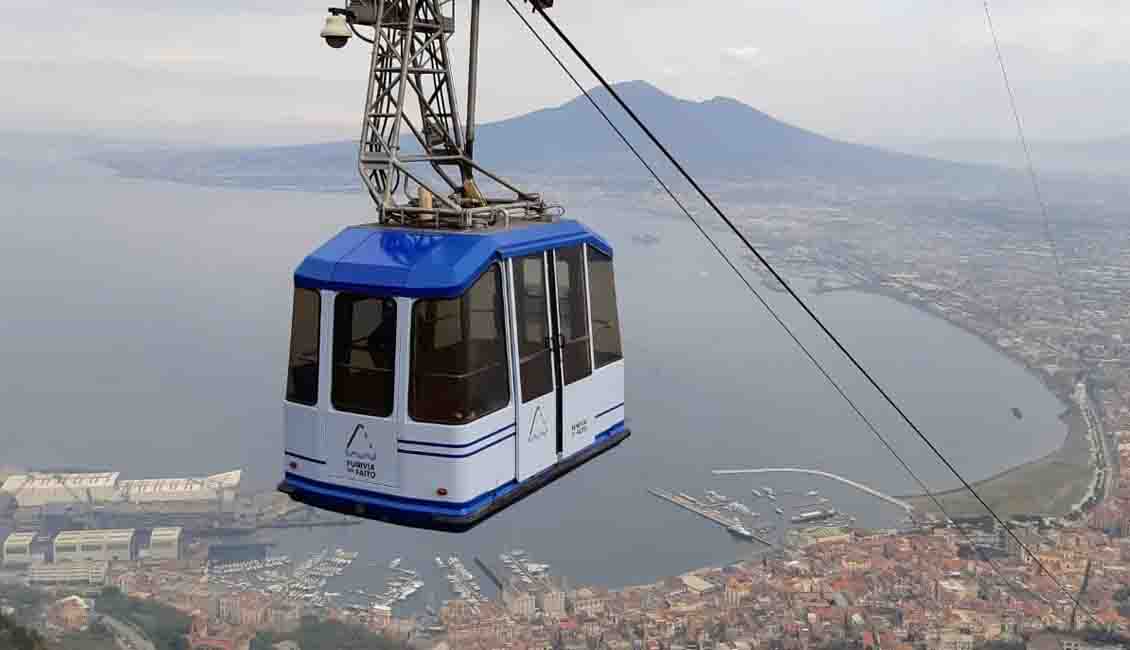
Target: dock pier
x,y
691,505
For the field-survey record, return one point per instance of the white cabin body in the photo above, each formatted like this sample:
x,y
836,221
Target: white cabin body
x,y
436,377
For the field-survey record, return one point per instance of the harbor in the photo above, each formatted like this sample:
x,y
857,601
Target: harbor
x,y
733,525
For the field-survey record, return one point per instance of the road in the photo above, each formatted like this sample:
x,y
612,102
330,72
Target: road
x,y
1104,460
128,637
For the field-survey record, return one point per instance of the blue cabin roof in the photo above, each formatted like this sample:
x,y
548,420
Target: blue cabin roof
x,y
379,260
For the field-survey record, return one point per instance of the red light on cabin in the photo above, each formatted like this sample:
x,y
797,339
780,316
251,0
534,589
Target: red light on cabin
x,y
293,465
442,492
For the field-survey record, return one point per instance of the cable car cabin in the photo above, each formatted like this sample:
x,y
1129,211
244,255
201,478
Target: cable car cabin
x,y
436,377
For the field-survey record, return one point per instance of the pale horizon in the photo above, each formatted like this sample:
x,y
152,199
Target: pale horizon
x,y
885,72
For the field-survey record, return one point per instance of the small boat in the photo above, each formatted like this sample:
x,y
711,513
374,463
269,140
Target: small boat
x,y
395,563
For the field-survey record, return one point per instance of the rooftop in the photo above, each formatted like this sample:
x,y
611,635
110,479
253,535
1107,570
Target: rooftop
x,y
166,533
157,487
397,261
20,538
34,481
95,536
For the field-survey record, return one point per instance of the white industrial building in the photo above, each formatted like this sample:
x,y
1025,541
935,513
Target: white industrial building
x,y
70,573
219,488
32,490
118,545
17,551
165,544
212,493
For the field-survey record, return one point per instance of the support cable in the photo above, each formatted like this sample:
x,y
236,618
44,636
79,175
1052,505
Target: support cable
x,y
797,298
764,303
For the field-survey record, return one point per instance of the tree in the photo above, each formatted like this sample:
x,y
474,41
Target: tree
x,y
17,637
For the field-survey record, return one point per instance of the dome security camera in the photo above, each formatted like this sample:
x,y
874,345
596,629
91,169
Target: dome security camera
x,y
336,31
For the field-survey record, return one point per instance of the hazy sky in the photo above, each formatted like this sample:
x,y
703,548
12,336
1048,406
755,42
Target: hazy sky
x,y
869,70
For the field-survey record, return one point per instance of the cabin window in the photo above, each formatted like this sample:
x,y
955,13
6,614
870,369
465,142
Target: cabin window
x,y
531,308
605,320
302,377
576,359
364,354
459,366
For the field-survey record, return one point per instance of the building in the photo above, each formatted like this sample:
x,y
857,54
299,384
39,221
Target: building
x,y
951,640
70,573
165,544
69,614
216,493
17,550
201,637
520,603
697,585
116,545
229,611
1059,641
553,603
382,616
35,490
588,602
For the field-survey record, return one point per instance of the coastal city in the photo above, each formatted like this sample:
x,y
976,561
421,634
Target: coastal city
x,y
810,575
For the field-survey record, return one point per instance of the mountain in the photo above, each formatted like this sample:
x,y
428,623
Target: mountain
x,y
719,138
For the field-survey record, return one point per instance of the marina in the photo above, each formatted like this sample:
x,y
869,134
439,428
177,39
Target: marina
x,y
463,582
312,581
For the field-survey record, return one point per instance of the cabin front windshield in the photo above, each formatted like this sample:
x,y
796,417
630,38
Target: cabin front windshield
x,y
459,365
605,319
364,377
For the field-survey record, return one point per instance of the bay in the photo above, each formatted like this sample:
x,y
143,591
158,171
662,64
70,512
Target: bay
x,y
144,329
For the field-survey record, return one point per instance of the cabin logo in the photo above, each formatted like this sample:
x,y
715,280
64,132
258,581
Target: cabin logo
x,y
360,457
539,428
359,445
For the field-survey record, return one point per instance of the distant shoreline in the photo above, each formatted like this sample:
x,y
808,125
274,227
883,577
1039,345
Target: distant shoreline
x,y
1029,473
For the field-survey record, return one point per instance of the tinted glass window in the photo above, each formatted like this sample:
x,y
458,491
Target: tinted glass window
x,y
605,320
574,314
459,365
532,310
364,354
302,377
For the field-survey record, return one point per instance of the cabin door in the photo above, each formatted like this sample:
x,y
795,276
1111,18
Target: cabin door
x,y
573,359
533,347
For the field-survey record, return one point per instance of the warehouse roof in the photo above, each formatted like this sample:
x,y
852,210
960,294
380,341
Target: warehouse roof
x,y
155,489
95,536
165,533
697,584
35,481
19,538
